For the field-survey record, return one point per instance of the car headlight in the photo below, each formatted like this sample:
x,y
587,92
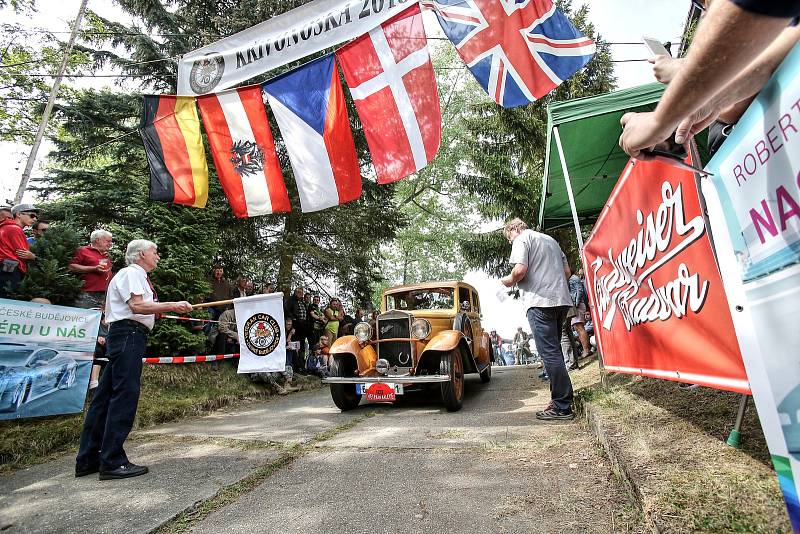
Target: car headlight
x,y
363,332
420,328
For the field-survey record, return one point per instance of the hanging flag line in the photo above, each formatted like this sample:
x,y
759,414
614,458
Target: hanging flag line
x,y
190,359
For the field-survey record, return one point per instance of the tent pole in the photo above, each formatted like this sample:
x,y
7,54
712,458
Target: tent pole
x,y
579,237
569,190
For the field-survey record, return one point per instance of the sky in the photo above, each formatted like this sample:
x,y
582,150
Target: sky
x,y
617,21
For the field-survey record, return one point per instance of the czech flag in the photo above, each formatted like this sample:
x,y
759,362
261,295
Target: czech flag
x,y
309,106
244,151
170,132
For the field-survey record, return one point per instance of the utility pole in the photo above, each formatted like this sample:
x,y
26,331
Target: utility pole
x,y
26,174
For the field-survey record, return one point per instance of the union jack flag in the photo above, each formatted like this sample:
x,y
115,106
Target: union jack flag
x,y
518,50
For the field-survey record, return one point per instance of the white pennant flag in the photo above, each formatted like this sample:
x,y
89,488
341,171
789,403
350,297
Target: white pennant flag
x,y
262,334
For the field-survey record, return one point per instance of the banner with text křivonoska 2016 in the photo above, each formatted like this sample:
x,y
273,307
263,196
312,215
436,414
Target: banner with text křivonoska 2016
x,y
659,307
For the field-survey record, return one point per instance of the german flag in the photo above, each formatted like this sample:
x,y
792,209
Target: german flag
x,y
170,131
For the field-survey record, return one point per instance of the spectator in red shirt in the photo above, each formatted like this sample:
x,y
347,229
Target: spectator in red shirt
x,y
93,265
14,249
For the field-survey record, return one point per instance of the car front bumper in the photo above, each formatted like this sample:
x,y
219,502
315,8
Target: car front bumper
x,y
389,379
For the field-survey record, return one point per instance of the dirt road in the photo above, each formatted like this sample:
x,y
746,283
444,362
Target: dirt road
x,y
296,464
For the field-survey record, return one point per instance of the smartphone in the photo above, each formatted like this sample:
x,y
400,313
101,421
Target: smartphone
x,y
655,47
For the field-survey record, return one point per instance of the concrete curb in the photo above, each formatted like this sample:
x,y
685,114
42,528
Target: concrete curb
x,y
594,421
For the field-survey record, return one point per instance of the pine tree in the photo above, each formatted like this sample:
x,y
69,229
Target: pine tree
x,y
48,276
99,175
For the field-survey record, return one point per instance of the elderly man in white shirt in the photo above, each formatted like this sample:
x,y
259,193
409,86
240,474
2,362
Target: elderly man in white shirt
x,y
131,306
541,271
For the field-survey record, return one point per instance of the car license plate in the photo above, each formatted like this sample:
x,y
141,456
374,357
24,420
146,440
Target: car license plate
x,y
379,391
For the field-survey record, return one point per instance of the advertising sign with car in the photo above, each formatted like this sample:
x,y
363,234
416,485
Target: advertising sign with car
x,y
45,358
753,203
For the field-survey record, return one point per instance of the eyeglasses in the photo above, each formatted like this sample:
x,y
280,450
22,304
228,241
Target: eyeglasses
x,y
30,214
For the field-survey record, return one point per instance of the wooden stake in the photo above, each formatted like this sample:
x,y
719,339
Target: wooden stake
x,y
212,304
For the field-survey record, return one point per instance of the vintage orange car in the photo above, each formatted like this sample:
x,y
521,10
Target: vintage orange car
x,y
426,334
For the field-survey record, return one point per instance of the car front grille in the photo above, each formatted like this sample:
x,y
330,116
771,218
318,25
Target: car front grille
x,y
397,353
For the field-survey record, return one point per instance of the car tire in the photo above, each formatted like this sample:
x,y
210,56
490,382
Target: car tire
x,y
486,374
344,395
453,389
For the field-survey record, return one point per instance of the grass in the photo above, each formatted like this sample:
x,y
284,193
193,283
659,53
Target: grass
x,y
169,392
672,445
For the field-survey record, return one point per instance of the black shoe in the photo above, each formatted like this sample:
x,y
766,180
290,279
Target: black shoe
x,y
554,414
124,471
82,471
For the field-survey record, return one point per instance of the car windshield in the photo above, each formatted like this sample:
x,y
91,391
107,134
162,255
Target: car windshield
x,y
438,298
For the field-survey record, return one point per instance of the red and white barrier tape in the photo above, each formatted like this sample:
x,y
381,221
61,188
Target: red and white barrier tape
x,y
190,359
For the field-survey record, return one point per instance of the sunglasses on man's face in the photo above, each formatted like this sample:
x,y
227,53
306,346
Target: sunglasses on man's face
x,y
30,214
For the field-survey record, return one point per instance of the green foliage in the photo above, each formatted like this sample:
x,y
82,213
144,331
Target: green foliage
x,y
48,277
440,212
25,51
98,175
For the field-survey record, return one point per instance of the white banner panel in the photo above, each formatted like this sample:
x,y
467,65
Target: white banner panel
x,y
280,40
753,202
262,334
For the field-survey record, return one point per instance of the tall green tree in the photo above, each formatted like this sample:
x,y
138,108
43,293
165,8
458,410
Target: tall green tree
x,y
99,174
507,161
441,212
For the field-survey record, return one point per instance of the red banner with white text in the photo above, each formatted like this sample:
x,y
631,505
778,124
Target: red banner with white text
x,y
658,304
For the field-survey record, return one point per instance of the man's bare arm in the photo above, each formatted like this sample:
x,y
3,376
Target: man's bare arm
x,y
747,84
517,273
727,40
140,307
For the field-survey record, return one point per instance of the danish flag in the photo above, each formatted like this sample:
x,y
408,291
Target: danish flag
x,y
518,50
391,79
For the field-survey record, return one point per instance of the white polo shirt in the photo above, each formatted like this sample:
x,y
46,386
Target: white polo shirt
x,y
544,285
132,280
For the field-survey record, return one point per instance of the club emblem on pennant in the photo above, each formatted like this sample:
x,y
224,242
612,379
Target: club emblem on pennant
x,y
206,73
262,334
247,159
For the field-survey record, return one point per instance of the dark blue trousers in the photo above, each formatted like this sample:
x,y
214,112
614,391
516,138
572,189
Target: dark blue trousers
x,y
110,417
546,324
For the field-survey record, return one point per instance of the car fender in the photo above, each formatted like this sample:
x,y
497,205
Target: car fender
x,y
485,351
349,345
444,342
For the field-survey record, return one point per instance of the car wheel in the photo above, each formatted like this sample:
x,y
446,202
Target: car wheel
x,y
453,389
344,395
486,374
67,379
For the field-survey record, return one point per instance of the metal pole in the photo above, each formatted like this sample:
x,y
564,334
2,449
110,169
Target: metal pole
x,y
26,174
569,191
735,435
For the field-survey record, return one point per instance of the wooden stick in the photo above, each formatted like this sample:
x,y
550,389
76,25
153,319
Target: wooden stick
x,y
212,304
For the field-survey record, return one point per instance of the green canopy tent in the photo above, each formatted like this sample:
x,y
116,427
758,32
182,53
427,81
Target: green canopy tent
x,y
583,159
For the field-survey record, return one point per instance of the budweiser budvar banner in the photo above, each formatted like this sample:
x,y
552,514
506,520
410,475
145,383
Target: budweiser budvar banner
x,y
658,302
288,37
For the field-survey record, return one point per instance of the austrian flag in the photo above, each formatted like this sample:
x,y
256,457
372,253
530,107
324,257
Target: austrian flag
x,y
244,151
390,75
